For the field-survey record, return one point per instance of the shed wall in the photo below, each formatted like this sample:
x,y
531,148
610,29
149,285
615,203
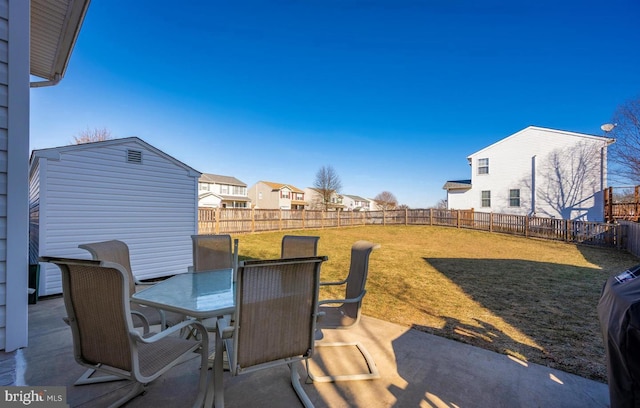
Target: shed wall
x,y
94,194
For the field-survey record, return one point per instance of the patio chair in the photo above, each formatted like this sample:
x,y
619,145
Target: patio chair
x,y
345,313
97,300
118,252
296,246
214,252
275,318
143,316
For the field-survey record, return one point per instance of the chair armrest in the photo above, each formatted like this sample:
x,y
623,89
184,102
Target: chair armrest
x,y
342,282
143,318
175,328
225,329
351,300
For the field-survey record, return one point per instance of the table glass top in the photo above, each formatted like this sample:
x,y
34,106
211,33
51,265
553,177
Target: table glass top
x,y
199,294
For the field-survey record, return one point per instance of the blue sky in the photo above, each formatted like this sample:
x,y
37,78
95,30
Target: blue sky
x,y
394,95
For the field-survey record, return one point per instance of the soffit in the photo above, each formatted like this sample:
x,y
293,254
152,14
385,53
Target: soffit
x,y
55,25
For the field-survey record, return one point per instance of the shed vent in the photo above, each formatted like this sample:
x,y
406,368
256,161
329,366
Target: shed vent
x,y
134,156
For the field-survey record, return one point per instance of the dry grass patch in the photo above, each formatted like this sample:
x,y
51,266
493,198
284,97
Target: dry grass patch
x,y
532,299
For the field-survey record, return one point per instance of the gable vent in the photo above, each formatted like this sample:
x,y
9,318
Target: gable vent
x,y
134,156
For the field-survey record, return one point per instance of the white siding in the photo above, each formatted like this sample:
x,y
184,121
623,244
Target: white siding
x,y
513,161
14,152
93,194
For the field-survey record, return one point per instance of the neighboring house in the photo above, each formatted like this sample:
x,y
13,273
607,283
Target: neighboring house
x,y
315,200
122,189
38,37
217,191
269,195
355,203
537,171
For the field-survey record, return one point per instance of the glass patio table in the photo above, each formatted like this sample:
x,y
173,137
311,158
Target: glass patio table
x,y
200,295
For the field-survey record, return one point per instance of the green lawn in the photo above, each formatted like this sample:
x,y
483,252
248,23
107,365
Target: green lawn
x,y
532,299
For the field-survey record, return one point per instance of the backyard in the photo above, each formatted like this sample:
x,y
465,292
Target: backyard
x,y
529,298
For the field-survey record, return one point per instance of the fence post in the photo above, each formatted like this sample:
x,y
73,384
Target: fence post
x,y
458,218
406,216
490,222
430,216
280,220
217,225
304,216
526,226
338,212
253,220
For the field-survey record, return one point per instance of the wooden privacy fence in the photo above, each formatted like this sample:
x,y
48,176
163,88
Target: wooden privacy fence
x,y
240,220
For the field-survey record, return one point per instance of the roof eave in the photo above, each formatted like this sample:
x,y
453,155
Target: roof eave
x,y
54,31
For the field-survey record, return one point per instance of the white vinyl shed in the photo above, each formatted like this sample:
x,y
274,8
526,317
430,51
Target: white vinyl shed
x,y
121,189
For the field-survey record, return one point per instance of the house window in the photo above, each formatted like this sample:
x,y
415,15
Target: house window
x,y
204,187
514,198
224,189
486,199
483,166
285,194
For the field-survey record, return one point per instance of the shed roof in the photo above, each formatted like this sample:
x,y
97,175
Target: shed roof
x,y
54,152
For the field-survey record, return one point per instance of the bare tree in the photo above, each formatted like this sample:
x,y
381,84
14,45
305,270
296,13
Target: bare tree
x,y
567,176
327,183
92,135
441,204
624,154
386,201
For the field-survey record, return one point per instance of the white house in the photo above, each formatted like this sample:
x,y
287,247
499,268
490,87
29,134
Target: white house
x,y
216,191
355,203
37,37
537,171
121,189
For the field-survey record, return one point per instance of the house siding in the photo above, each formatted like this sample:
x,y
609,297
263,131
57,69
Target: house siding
x,y
14,152
4,83
93,194
516,162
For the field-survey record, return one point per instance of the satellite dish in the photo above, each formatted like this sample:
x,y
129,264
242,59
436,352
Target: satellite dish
x,y
608,127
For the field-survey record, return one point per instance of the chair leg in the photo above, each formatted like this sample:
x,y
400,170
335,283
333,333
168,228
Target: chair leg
x,y
297,387
138,388
371,375
204,376
87,378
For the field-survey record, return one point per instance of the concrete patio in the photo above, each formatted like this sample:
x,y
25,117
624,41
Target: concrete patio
x,y
417,370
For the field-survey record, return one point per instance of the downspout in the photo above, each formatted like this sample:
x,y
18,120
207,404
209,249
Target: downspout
x,y
533,186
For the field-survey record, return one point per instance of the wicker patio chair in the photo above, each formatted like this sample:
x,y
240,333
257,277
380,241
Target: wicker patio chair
x,y
143,316
275,318
296,246
345,313
97,300
214,252
118,252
